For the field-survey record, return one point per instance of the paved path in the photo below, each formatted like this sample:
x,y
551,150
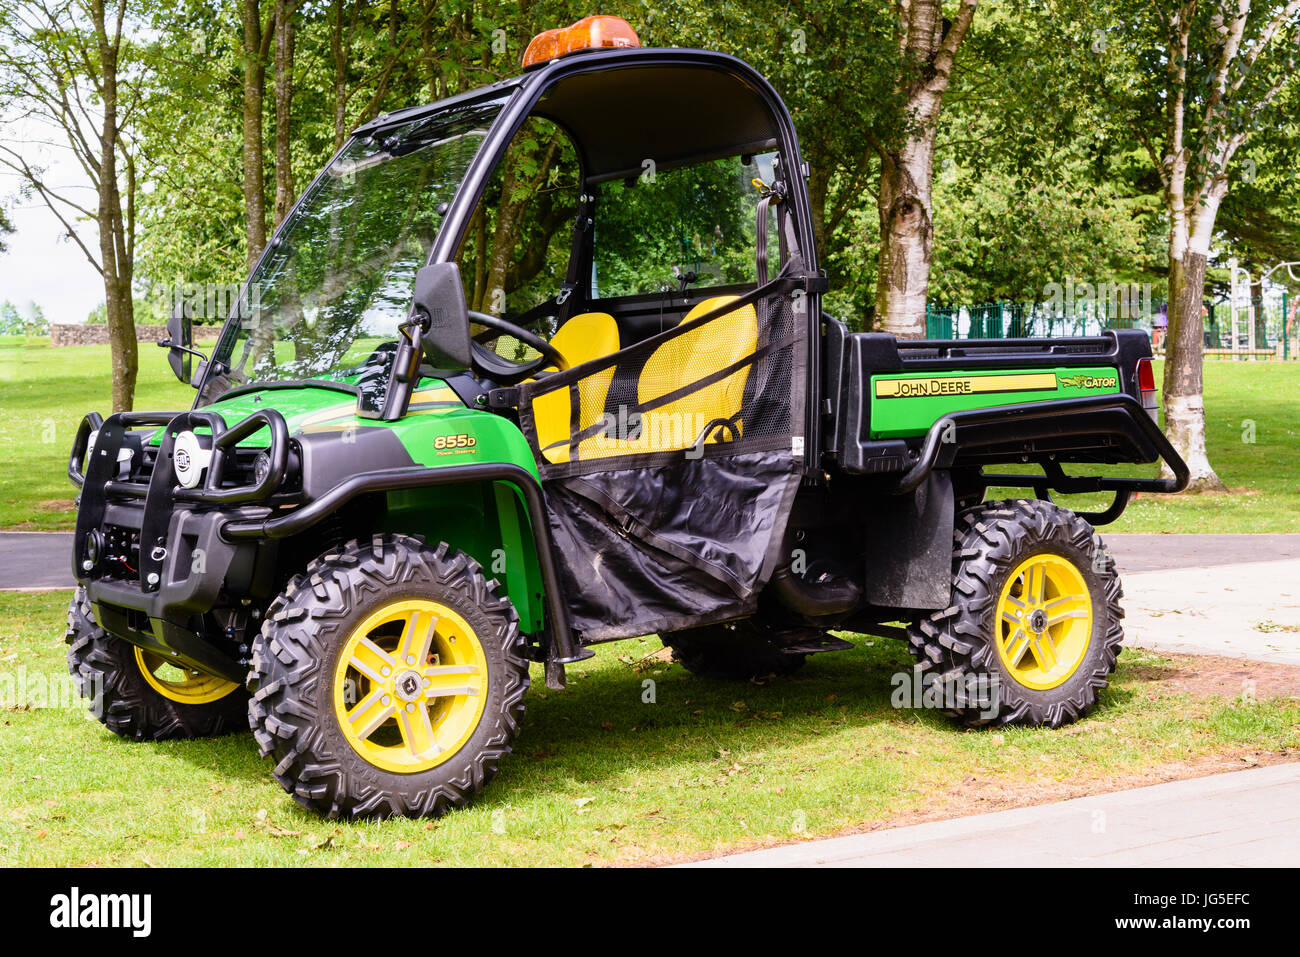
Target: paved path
x,y
35,560
1145,553
1246,610
1242,819
1233,595
1230,595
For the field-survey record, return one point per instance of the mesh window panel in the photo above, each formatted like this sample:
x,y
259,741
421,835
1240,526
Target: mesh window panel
x,y
670,468
721,387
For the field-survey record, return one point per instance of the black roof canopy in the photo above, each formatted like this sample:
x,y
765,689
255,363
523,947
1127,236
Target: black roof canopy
x,y
623,107
671,110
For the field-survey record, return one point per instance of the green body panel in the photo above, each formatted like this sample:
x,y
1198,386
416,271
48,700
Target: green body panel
x,y
906,404
488,521
435,412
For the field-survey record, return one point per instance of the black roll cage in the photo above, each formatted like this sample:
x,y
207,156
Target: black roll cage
x,y
533,85
525,93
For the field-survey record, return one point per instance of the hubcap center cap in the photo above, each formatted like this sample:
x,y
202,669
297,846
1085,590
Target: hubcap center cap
x,y
1038,620
408,685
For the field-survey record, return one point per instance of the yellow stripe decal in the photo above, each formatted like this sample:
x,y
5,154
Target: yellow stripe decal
x,y
442,394
344,410
923,386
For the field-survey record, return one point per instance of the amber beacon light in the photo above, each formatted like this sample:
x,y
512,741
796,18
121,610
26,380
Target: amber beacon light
x,y
589,33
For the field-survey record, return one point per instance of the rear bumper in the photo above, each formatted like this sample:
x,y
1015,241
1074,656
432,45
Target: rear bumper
x,y
1110,427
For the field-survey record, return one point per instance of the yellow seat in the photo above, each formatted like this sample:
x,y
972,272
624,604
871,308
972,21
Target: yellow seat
x,y
689,358
584,337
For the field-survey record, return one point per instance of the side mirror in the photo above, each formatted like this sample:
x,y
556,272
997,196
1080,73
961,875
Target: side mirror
x,y
180,345
437,327
439,305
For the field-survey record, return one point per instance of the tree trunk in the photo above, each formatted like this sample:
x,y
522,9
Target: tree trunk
x,y
510,215
284,44
254,88
340,51
906,238
1184,403
479,231
929,46
818,186
1258,314
115,247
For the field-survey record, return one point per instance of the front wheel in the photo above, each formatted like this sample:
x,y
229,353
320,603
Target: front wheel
x,y
388,680
138,694
1033,630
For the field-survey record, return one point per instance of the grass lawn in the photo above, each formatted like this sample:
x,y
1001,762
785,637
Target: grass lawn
x,y
44,392
601,777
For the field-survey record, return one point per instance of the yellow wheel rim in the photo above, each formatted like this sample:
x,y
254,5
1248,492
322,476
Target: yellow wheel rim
x,y
1044,621
410,686
181,684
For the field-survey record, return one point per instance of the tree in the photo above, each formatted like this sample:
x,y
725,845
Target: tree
x,y
929,46
806,50
257,42
6,228
11,320
1192,83
285,13
14,323
71,71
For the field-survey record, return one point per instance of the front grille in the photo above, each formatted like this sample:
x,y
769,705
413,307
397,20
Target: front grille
x,y
121,559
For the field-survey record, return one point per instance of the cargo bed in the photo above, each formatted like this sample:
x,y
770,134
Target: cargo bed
x,y
904,408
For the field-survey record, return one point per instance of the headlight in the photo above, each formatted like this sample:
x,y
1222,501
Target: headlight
x,y
261,467
190,459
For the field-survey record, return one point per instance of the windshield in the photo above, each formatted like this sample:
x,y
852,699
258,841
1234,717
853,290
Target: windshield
x,y
327,298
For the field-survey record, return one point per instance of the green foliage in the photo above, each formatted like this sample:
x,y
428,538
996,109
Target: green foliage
x,y
1007,236
14,323
147,311
1042,167
699,219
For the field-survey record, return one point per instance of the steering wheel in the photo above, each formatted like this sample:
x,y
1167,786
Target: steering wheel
x,y
500,369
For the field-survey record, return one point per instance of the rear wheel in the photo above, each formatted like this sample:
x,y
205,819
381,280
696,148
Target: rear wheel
x,y
1033,631
139,694
388,680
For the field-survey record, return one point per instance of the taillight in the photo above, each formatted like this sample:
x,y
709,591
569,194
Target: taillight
x,y
1146,379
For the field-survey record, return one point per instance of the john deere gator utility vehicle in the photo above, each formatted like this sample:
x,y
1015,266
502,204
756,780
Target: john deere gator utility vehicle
x,y
545,365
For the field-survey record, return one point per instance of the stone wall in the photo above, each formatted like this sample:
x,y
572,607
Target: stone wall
x,y
86,334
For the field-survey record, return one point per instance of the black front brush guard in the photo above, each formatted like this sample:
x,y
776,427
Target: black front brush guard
x,y
100,481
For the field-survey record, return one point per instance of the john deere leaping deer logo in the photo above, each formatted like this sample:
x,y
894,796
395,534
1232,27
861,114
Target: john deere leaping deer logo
x,y
1087,382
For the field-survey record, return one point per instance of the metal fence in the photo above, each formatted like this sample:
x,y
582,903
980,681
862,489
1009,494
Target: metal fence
x,y
1267,325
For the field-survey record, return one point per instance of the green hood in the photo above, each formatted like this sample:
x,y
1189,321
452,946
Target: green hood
x,y
301,407
309,406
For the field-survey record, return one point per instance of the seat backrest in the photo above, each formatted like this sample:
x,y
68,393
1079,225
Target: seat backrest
x,y
584,337
695,355
587,336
